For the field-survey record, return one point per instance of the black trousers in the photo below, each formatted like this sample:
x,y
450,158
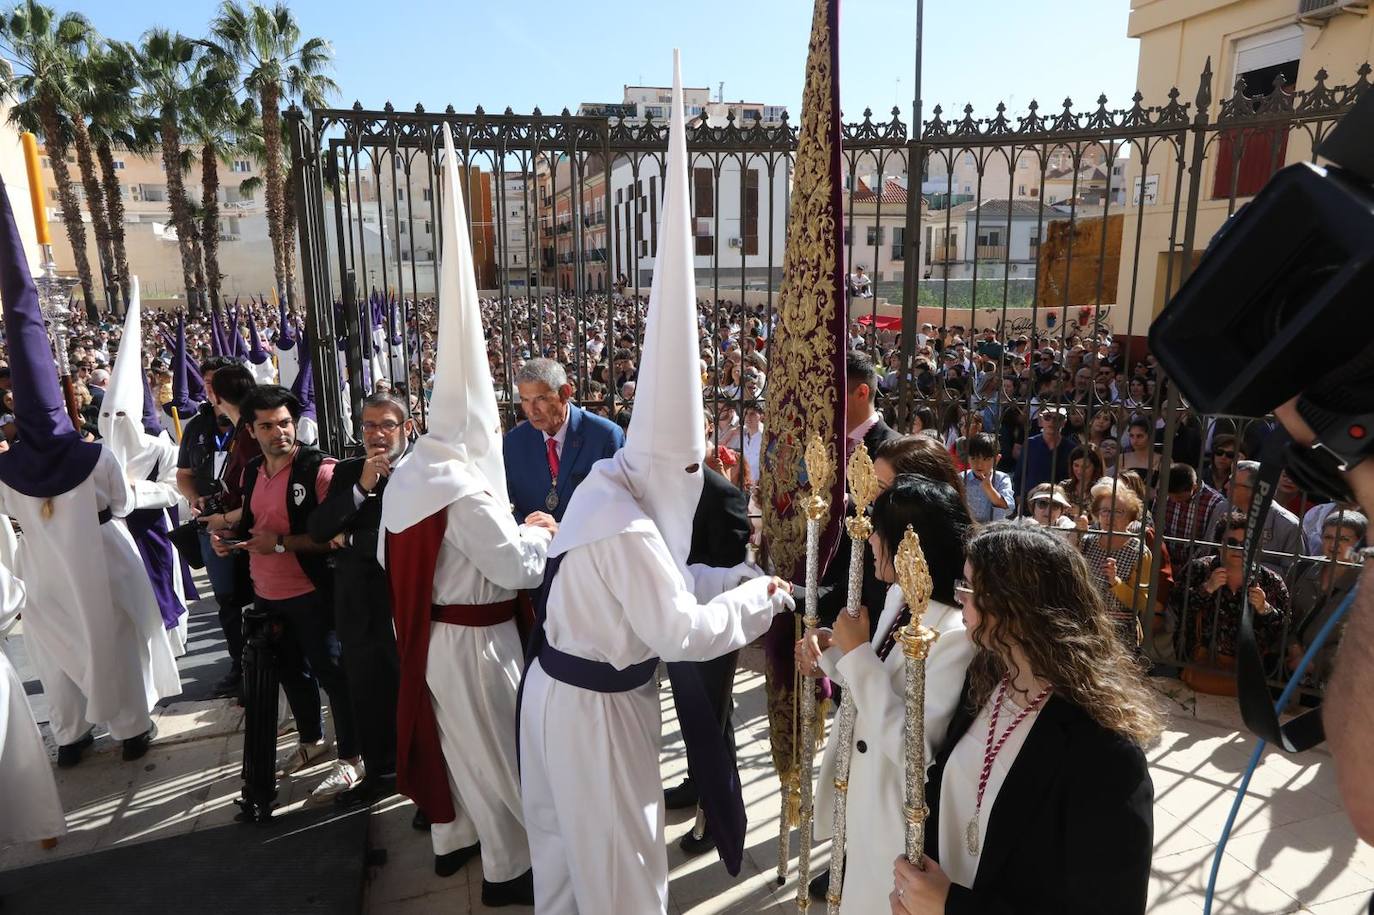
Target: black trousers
x,y
309,659
362,619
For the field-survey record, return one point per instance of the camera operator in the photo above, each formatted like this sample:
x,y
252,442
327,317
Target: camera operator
x,y
1347,713
207,441
291,581
350,516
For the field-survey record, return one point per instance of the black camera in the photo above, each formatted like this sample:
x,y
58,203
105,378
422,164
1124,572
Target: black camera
x,y
1279,307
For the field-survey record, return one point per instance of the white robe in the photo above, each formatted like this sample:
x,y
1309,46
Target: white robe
x,y
92,627
162,493
875,828
288,365
263,373
589,761
473,673
29,801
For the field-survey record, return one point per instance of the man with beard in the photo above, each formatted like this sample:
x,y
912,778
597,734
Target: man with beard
x,y
350,516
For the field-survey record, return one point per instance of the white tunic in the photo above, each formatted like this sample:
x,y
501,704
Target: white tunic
x,y
30,808
473,674
92,626
163,493
874,822
590,778
263,373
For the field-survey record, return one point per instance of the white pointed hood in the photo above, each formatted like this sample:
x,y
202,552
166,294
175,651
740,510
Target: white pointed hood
x,y
666,434
461,452
121,412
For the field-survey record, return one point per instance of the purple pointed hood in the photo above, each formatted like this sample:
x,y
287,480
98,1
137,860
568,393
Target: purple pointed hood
x,y
216,336
256,354
393,328
304,385
286,334
188,388
237,348
49,457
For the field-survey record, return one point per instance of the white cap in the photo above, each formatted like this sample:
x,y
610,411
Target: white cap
x,y
461,451
667,428
121,412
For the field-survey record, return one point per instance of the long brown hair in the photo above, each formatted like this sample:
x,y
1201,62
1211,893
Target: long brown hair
x,y
1034,590
924,455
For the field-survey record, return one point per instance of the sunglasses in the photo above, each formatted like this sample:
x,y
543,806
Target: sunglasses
x,y
1235,543
1225,454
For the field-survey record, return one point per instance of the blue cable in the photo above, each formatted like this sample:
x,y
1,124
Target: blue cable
x,y
1279,706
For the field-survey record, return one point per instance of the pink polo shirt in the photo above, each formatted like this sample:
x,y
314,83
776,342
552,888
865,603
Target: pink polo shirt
x,y
278,576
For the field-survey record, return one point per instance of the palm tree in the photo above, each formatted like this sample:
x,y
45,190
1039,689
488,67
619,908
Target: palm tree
x,y
278,66
86,88
112,77
166,70
43,49
217,123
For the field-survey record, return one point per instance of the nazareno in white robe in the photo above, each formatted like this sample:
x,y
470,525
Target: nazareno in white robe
x,y
30,808
163,493
473,673
875,828
590,779
92,627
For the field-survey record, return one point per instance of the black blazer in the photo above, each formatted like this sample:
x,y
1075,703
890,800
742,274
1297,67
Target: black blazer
x,y
720,528
362,598
835,578
1071,831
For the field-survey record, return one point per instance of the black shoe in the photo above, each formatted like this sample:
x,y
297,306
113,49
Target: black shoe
x,y
419,822
681,797
70,754
519,891
136,747
228,685
451,863
692,846
819,887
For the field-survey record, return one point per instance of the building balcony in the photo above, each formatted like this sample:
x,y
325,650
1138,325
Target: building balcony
x,y
992,252
942,254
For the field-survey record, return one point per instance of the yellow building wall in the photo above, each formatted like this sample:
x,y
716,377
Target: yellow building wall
x,y
1176,38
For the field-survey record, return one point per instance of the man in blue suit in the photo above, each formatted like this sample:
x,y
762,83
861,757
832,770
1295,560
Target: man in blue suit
x,y
550,453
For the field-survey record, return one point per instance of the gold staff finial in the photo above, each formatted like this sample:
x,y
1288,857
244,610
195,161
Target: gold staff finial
x,y
863,489
913,574
820,474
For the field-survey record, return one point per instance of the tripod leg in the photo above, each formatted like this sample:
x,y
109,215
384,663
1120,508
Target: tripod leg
x,y
261,677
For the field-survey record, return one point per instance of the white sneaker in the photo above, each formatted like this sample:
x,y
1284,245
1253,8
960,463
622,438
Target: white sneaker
x,y
303,757
343,776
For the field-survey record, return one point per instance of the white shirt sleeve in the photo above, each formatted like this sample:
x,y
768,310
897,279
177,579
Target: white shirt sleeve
x,y
507,555
162,492
640,573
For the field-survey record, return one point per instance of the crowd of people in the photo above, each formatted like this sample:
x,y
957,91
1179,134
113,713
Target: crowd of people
x,y
417,584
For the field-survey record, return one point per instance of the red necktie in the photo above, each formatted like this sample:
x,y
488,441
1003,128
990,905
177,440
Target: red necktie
x,y
552,445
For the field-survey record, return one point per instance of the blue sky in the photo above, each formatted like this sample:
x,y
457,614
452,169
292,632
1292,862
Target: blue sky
x,y
555,54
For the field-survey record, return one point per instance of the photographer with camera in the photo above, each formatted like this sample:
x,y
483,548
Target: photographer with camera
x,y
207,441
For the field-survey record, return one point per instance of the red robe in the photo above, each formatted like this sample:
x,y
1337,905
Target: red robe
x,y
421,773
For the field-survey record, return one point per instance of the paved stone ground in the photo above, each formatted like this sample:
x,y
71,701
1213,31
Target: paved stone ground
x,y
1292,849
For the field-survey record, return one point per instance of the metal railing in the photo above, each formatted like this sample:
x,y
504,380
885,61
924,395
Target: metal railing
x,y
1106,264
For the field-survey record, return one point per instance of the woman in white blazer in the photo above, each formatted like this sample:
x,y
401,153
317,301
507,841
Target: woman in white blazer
x,y
874,672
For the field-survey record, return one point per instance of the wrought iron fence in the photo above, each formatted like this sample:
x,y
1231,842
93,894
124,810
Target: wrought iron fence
x,y
1054,227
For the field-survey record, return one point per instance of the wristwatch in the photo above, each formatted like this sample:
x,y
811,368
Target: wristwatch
x,y
281,545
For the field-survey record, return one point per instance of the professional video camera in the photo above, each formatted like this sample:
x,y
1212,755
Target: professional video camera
x,y
1280,307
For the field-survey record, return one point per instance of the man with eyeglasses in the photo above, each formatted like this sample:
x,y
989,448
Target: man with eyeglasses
x,y
350,516
1281,534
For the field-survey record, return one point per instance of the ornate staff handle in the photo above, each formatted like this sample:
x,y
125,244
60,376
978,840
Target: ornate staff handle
x,y
820,473
863,489
913,577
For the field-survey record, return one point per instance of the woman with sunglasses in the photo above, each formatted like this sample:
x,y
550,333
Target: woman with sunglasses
x,y
874,670
1207,605
1040,798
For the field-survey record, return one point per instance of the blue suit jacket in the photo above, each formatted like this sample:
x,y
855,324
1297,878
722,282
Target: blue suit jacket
x,y
590,438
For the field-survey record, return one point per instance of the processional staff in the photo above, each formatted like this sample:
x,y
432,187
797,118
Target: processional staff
x,y
52,289
863,489
913,577
820,475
